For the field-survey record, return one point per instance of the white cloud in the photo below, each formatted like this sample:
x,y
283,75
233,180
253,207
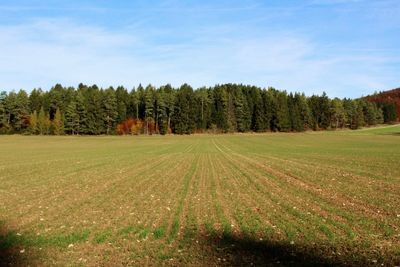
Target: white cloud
x,y
45,52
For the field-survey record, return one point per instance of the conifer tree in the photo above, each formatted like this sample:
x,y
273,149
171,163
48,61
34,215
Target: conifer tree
x,y
33,123
183,117
36,99
149,107
282,112
43,122
257,115
338,114
17,107
220,108
110,109
122,101
241,110
389,112
71,119
204,108
82,115
3,116
58,123
161,108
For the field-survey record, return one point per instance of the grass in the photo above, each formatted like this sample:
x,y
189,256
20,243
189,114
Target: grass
x,y
318,198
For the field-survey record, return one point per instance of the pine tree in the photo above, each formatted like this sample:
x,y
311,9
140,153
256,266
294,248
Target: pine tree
x,y
379,115
282,112
43,122
241,110
3,115
170,95
149,107
17,106
71,119
161,107
359,118
304,110
56,97
184,115
257,122
231,114
122,99
321,111
58,123
110,109
82,115
338,114
133,107
350,112
36,100
389,112
294,114
141,102
268,107
370,112
220,110
204,108
33,123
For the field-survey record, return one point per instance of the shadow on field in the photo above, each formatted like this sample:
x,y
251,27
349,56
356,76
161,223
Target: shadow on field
x,y
229,250
10,251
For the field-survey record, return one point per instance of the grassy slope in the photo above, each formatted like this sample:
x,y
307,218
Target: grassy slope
x,y
295,199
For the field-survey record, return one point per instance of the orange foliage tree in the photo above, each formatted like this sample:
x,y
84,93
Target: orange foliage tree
x,y
135,127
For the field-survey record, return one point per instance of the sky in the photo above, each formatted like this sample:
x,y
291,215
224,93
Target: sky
x,y
347,48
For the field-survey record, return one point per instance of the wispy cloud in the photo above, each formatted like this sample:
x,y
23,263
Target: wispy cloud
x,y
200,49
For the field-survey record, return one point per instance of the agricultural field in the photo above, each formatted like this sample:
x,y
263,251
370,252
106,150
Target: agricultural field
x,y
275,199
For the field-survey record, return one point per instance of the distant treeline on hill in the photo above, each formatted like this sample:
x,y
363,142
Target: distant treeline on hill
x,y
387,100
223,108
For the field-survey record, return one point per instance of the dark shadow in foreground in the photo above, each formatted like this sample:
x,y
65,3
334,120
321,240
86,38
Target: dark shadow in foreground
x,y
12,252
228,250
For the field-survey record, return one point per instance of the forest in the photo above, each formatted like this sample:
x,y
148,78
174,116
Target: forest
x,y
90,110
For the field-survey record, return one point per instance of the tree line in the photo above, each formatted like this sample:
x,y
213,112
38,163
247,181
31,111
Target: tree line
x,y
91,110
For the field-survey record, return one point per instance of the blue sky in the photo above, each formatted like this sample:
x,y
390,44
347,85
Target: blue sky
x,y
346,48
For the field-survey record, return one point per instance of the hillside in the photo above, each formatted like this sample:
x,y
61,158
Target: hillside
x,y
387,97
